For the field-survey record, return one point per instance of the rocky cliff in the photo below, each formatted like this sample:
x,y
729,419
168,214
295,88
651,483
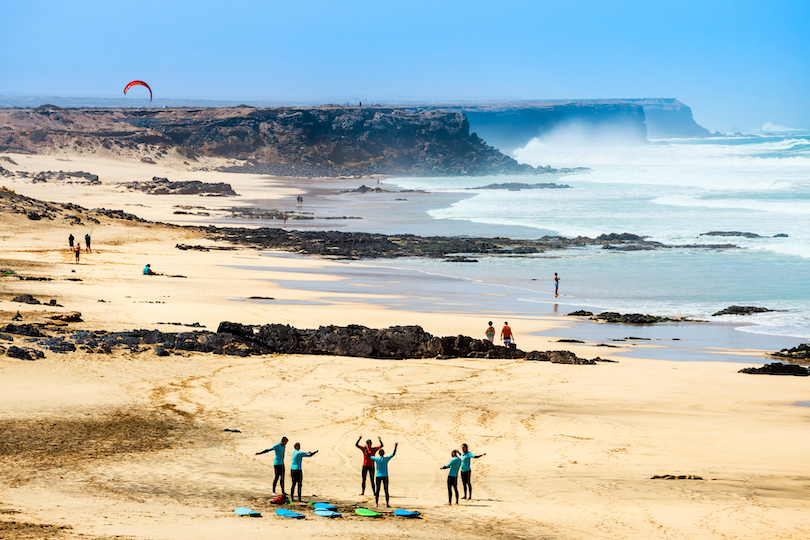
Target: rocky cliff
x,y
669,118
321,141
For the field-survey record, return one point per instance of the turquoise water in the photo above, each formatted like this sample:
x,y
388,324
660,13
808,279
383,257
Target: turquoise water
x,y
671,192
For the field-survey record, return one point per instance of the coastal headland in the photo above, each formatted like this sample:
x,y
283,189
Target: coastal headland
x,y
137,444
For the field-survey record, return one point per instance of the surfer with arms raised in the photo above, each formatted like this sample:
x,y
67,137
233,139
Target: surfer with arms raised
x,y
297,475
278,462
368,464
382,474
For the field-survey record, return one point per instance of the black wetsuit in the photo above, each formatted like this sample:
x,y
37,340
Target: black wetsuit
x,y
279,469
452,485
297,478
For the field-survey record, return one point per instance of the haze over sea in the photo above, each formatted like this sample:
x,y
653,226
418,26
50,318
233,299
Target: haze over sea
x,y
670,191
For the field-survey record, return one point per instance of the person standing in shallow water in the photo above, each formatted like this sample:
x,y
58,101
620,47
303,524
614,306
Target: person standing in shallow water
x,y
556,285
278,462
491,332
382,474
368,463
466,470
452,477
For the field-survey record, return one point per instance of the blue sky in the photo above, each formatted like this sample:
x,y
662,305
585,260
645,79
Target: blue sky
x,y
737,64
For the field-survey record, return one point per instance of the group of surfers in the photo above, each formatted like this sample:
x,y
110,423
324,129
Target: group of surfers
x,y
375,467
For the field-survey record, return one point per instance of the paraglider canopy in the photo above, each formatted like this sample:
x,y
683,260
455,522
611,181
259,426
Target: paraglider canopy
x,y
141,83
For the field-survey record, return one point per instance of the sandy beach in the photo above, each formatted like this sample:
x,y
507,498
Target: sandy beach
x,y
131,445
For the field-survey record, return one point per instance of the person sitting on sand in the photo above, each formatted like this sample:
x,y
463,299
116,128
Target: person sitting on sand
x,y
452,477
506,334
278,462
382,474
297,475
147,271
466,470
368,464
491,332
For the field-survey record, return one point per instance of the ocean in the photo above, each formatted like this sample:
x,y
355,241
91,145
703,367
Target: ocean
x,y
669,191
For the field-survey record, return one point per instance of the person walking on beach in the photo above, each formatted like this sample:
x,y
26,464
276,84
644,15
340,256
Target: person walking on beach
x,y
296,457
382,474
77,250
87,243
368,464
70,241
556,285
278,462
452,477
466,470
506,334
491,332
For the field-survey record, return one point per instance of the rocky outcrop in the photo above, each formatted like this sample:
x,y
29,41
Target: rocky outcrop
x,y
741,310
668,118
319,141
778,369
740,234
162,186
517,186
800,352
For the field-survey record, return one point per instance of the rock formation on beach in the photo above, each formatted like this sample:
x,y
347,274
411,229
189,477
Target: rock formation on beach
x,y
162,186
288,141
741,310
778,369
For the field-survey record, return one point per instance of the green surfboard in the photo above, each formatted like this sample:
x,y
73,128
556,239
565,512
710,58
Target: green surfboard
x,y
365,512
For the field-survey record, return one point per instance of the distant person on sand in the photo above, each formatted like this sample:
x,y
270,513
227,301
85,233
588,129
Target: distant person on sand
x,y
452,477
466,470
77,250
278,462
368,464
87,243
382,474
296,457
147,271
70,241
491,332
506,334
285,218
556,284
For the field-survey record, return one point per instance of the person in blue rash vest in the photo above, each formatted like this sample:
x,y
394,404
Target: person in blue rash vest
x,y
297,475
452,477
382,474
278,462
466,470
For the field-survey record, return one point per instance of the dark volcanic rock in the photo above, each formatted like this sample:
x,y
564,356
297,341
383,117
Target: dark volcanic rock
x,y
24,353
631,318
517,186
26,299
559,357
22,330
731,233
778,369
741,310
162,186
580,313
800,352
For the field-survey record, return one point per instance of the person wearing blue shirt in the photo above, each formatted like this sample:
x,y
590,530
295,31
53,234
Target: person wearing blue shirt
x,y
382,474
296,457
452,476
278,462
466,470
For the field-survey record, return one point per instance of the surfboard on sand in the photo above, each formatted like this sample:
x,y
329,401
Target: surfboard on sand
x,y
324,506
365,512
283,512
406,513
246,512
326,513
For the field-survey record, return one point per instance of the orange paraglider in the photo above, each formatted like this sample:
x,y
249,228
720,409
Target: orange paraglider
x,y
135,83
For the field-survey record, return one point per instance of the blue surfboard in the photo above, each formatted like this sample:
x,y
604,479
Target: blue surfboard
x,y
324,506
283,512
406,513
246,512
326,513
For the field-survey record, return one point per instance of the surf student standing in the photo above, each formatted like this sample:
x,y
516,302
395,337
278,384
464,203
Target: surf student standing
x,y
77,250
466,470
297,475
87,242
556,284
491,332
506,334
278,462
382,474
452,477
70,241
368,464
